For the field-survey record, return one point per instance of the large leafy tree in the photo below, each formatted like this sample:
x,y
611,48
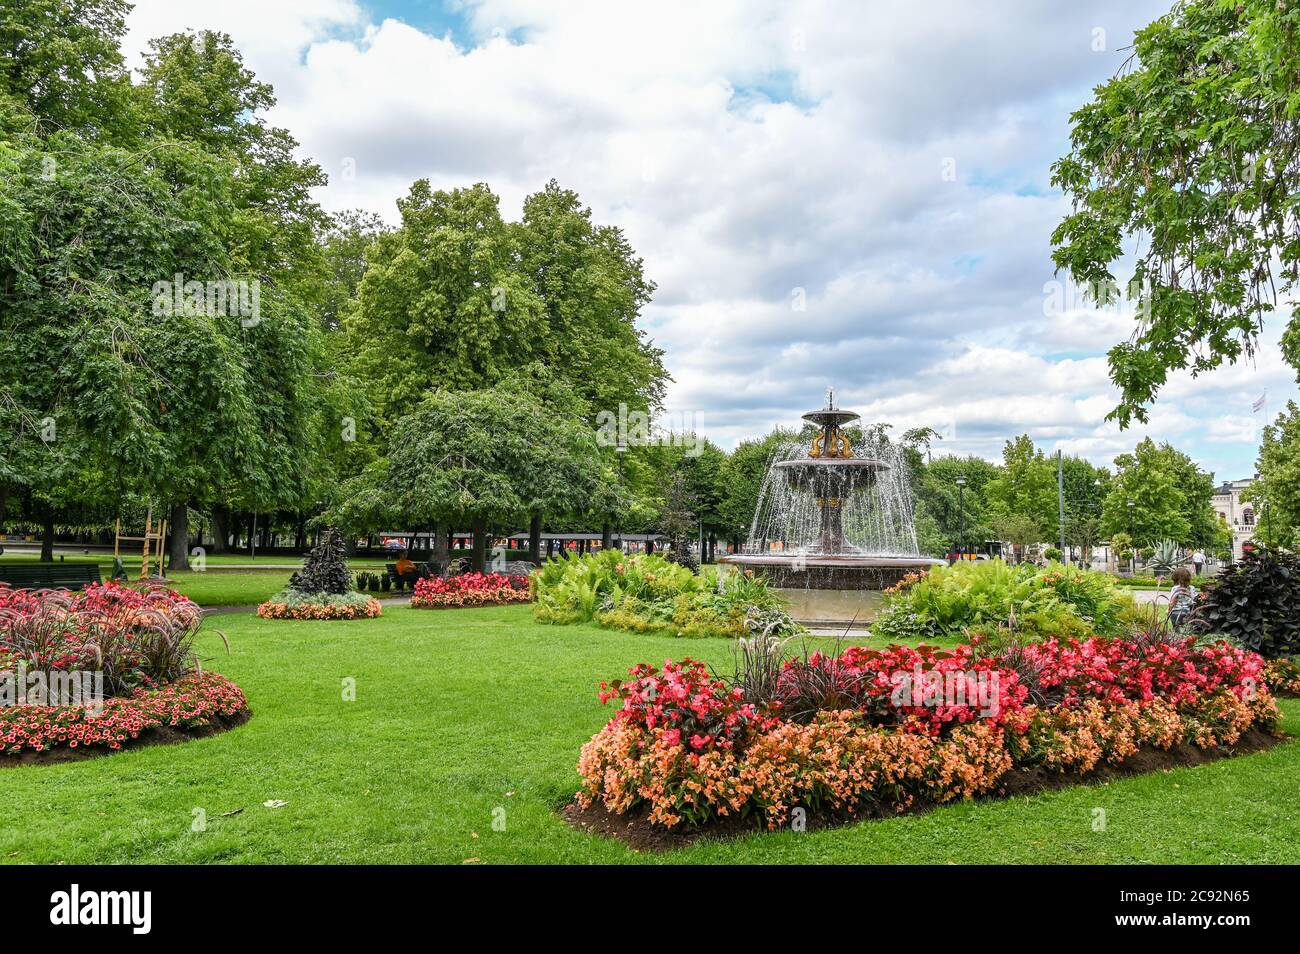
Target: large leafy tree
x,y
1276,493
110,193
1171,498
593,287
200,96
443,304
1191,156
1025,486
61,66
457,298
487,458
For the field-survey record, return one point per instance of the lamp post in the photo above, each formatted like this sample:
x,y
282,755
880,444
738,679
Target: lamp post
x,y
1132,558
961,516
621,451
1060,501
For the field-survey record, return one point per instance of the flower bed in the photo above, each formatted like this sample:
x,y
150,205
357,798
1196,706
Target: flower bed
x,y
471,589
124,653
1282,676
870,732
192,702
290,604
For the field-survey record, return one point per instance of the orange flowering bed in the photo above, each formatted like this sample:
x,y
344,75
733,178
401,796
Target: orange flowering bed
x,y
273,609
688,748
1282,675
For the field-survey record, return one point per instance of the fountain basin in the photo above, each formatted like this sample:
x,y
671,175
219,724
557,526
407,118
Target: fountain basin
x,y
831,571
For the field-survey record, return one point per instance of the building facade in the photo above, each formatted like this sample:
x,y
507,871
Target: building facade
x,y
1240,514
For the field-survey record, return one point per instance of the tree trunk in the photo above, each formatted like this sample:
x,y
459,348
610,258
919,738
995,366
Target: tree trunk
x,y
438,542
479,559
47,535
535,538
650,545
606,535
178,544
713,548
220,529
550,547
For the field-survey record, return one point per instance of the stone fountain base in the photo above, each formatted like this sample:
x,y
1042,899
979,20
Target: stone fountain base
x,y
838,572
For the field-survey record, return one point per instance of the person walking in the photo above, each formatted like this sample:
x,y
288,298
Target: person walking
x,y
1198,560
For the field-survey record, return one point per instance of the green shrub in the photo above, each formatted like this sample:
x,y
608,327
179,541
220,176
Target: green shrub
x,y
1256,603
1054,600
648,593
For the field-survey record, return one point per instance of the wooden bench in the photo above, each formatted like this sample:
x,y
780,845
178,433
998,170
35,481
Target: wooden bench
x,y
43,576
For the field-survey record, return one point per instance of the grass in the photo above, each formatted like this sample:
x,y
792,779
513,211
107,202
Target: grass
x,y
466,716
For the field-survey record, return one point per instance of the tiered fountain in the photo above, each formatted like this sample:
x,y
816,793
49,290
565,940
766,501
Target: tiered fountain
x,y
828,520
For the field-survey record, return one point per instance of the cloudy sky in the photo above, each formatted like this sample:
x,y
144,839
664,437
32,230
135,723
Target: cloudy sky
x,y
851,194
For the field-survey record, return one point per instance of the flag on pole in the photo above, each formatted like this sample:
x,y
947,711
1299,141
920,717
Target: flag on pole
x,y
1259,404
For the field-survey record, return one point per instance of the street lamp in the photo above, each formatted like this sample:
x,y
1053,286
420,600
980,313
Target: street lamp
x,y
621,451
1132,542
961,516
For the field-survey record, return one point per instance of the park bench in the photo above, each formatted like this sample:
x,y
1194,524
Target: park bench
x,y
422,571
72,576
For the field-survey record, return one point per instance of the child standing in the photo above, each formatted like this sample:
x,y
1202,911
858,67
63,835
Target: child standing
x,y
1182,598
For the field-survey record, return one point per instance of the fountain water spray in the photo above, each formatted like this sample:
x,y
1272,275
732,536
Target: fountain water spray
x,y
830,519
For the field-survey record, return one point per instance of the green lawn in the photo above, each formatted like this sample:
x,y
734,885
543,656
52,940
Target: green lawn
x,y
463,713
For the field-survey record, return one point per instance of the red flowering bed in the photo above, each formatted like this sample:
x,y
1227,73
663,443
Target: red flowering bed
x,y
873,731
192,702
471,589
134,642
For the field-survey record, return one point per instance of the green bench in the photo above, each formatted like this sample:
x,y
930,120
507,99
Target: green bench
x,y
48,576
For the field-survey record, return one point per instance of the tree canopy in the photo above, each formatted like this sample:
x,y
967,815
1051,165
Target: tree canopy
x,y
1191,156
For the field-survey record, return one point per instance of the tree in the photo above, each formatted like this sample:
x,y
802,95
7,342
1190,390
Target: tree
x,y
60,64
1171,498
1018,529
945,513
593,287
157,277
1193,151
442,304
457,298
485,458
1278,486
1025,486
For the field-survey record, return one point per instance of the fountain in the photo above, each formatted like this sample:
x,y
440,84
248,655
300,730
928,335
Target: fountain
x,y
829,521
